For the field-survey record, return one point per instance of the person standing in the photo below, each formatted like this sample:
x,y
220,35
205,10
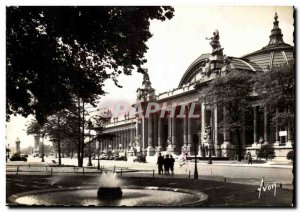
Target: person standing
x,y
167,164
249,158
160,163
172,161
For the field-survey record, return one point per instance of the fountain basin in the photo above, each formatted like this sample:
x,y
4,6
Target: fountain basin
x,y
133,196
109,193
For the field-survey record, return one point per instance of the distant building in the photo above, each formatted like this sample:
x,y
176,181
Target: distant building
x,y
174,135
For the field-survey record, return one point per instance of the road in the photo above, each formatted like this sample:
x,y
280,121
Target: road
x,y
238,173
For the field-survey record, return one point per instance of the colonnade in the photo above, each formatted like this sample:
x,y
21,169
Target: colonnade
x,y
122,139
175,133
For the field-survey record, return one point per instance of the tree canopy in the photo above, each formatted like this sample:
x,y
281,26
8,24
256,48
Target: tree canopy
x,y
277,90
54,53
230,92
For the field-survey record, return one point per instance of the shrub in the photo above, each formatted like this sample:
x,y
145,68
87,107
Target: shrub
x,y
266,151
290,155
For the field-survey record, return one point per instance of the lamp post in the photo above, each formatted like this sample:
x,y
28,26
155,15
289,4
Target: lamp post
x,y
90,157
98,165
195,141
43,148
7,152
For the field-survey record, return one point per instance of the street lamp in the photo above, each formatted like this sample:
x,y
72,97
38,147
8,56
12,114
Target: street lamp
x,y
195,141
98,165
7,152
90,157
43,148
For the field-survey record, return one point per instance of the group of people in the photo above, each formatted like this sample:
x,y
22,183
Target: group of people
x,y
165,164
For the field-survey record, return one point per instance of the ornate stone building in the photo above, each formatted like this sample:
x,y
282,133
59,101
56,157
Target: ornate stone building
x,y
156,133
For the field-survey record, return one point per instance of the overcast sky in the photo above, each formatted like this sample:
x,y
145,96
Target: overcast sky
x,y
176,43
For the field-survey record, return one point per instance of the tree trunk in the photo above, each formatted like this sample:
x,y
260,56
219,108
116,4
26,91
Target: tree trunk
x,y
58,141
79,136
82,134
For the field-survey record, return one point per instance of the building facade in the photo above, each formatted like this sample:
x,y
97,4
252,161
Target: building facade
x,y
172,129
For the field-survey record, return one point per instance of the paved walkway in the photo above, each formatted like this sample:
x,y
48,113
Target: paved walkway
x,y
235,172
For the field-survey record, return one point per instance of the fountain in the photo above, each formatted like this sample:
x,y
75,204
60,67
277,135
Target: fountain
x,y
110,193
109,186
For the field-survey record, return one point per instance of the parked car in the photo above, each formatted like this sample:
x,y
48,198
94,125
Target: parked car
x,y
17,157
120,158
24,155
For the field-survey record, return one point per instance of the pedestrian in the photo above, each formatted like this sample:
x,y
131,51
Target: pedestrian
x,y
167,164
249,158
185,157
172,161
160,163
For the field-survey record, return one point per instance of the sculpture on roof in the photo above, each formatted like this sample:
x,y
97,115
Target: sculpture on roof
x,y
146,79
215,43
227,67
145,91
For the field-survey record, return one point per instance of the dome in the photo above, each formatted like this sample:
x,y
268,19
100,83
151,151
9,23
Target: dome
x,y
275,53
193,72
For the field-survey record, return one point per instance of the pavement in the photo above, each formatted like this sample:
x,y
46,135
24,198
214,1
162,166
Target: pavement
x,y
231,171
228,183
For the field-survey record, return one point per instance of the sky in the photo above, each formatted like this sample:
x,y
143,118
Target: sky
x,y
176,43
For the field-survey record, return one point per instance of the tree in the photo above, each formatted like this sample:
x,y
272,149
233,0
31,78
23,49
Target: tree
x,y
54,53
277,92
266,151
232,93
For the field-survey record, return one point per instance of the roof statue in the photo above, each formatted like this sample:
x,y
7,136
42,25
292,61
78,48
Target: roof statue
x,y
146,90
215,43
146,79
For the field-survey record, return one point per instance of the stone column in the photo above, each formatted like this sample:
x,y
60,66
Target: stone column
x,y
202,121
265,126
155,131
217,146
255,126
145,134
169,127
138,134
150,149
277,139
185,128
159,134
121,139
131,134
226,146
117,140
126,138
174,131
189,131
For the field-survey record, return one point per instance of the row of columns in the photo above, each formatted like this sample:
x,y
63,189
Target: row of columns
x,y
151,133
151,130
121,141
288,128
